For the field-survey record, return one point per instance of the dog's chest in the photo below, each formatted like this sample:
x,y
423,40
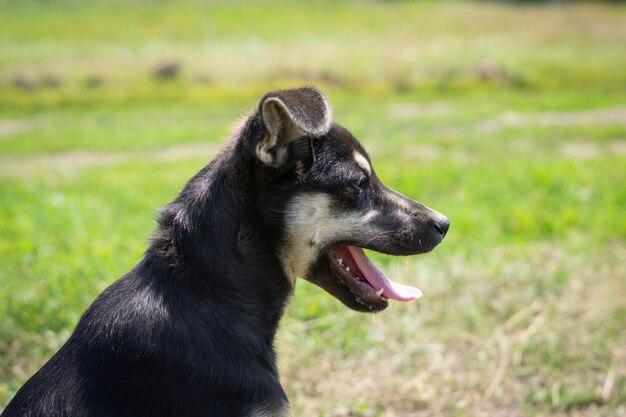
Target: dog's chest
x,y
278,409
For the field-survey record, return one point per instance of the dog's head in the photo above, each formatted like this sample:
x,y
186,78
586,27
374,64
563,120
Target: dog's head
x,y
315,183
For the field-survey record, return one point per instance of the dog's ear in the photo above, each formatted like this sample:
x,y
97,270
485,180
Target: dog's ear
x,y
289,115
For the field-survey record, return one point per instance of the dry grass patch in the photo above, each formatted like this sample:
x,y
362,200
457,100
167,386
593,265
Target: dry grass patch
x,y
615,116
12,127
72,162
538,333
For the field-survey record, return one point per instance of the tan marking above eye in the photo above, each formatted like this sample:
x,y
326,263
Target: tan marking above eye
x,y
362,162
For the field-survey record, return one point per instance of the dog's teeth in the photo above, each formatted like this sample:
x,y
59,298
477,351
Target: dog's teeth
x,y
379,292
347,269
340,261
383,297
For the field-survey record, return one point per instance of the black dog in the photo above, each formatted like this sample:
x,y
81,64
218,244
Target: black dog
x,y
189,331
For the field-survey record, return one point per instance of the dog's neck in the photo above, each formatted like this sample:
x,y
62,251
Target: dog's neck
x,y
205,238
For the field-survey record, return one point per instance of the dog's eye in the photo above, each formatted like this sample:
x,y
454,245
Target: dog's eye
x,y
358,185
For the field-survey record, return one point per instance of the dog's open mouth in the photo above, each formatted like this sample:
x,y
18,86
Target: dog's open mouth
x,y
368,284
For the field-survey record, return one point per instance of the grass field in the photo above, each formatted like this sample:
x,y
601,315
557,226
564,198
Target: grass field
x,y
511,120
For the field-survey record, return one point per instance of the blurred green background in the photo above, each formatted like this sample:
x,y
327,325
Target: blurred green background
x,y
509,118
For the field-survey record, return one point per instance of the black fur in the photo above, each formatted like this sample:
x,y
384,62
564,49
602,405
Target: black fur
x,y
189,331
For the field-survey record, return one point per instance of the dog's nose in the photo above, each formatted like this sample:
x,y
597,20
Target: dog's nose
x,y
442,226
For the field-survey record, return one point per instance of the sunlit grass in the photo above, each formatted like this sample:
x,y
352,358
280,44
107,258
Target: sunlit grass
x,y
510,120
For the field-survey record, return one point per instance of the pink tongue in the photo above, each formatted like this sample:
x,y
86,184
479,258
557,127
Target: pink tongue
x,y
378,280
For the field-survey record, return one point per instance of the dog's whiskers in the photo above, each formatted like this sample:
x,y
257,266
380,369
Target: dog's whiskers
x,y
376,236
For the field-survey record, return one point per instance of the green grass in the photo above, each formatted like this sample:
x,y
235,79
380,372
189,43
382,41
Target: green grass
x,y
511,120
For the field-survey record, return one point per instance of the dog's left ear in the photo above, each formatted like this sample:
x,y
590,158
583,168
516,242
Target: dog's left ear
x,y
289,115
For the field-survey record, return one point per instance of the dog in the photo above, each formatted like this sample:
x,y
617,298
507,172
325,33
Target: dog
x,y
189,331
